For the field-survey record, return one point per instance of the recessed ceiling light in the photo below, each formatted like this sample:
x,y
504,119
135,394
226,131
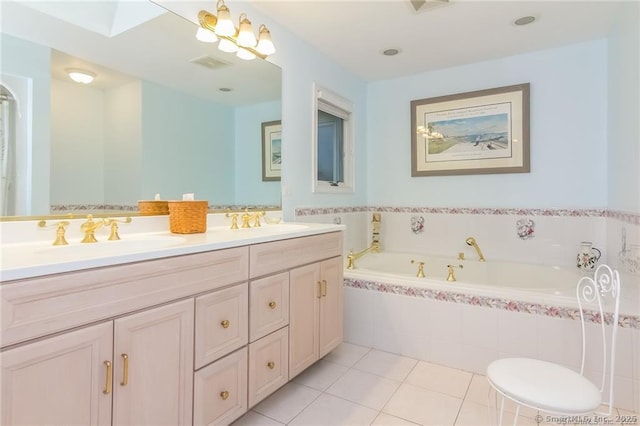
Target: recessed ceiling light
x,y
390,52
225,89
525,20
80,76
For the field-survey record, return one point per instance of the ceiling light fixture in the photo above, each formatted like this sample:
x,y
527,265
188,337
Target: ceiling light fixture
x,y
243,40
390,52
80,76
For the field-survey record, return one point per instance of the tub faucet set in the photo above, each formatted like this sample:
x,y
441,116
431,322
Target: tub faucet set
x,y
375,243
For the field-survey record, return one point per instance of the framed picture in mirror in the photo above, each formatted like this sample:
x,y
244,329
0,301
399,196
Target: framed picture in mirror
x,y
271,150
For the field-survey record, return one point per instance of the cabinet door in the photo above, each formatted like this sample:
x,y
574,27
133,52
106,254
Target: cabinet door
x,y
304,293
61,380
153,372
331,301
268,365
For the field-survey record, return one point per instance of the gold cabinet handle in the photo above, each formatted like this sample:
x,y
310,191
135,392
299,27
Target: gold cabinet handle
x,y
125,370
107,388
225,323
224,395
272,305
319,289
271,365
324,288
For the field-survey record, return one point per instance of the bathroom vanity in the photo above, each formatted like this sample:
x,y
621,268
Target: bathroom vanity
x,y
198,336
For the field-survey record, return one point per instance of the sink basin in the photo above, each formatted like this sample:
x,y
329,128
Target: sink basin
x,y
126,245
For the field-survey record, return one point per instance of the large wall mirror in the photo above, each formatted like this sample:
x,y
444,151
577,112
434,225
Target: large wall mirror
x,y
166,114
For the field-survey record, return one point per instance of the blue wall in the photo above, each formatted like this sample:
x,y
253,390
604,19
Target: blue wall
x,y
568,136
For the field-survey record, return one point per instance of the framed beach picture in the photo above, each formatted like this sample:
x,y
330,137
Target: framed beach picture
x,y
271,150
481,132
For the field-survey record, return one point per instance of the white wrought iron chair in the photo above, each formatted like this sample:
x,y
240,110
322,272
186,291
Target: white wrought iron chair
x,y
553,388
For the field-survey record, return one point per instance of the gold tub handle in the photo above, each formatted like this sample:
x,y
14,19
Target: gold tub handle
x,y
107,388
125,370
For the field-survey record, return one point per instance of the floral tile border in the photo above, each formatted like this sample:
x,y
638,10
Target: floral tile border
x,y
563,312
629,217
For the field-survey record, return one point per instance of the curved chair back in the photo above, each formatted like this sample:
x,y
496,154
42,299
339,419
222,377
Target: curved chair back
x,y
599,298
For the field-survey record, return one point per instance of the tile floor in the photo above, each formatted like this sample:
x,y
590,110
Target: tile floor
x,y
355,385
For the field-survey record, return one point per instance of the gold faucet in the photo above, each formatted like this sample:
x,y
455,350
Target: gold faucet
x,y
450,276
472,242
60,230
375,243
248,217
420,273
113,223
234,219
89,228
256,218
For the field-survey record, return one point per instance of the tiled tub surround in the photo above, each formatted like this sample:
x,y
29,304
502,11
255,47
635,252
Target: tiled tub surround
x,y
468,329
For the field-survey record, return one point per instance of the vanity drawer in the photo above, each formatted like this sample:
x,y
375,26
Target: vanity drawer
x,y
268,365
269,304
221,323
220,390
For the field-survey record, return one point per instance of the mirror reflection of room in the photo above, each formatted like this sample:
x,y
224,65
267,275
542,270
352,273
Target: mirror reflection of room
x,y
164,113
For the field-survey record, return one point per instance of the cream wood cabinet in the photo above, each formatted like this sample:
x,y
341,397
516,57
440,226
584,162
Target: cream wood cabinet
x,y
62,380
71,379
316,317
192,339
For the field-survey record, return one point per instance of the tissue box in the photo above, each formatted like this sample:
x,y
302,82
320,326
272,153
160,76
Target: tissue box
x,y
153,207
188,217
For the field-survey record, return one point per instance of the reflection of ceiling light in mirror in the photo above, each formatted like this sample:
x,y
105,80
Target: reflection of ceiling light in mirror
x,y
225,89
390,52
80,76
245,54
525,20
206,35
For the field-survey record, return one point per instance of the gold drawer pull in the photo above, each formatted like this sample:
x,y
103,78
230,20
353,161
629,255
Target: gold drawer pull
x,y
125,370
107,389
272,305
224,395
271,365
225,324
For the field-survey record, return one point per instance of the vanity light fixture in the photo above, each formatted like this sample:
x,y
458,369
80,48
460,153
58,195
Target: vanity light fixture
x,y
80,76
241,40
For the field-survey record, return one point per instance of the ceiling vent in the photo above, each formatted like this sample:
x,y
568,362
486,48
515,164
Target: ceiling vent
x,y
422,5
210,62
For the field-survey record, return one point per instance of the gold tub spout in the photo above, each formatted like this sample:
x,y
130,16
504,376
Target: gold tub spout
x,y
472,242
352,257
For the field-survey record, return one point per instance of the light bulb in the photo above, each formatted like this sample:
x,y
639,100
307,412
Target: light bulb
x,y
224,26
227,46
265,45
246,38
206,35
245,54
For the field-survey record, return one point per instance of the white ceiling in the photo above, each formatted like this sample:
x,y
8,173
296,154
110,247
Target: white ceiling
x,y
354,33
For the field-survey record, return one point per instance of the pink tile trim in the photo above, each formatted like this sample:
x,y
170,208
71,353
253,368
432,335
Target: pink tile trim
x,y
625,321
629,217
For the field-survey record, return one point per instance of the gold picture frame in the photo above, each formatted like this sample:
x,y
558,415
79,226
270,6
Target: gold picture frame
x,y
271,150
480,132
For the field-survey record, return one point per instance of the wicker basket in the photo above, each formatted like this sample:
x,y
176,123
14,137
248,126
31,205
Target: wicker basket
x,y
152,207
188,217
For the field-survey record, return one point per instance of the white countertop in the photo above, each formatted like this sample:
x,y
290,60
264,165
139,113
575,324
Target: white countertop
x,y
34,259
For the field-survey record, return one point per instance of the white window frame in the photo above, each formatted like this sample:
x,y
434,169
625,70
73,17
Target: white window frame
x,y
334,104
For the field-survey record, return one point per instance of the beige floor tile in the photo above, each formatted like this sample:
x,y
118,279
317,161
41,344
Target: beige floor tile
x,y
385,364
287,402
440,379
254,419
384,419
321,375
423,406
331,410
478,390
346,354
364,388
476,414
